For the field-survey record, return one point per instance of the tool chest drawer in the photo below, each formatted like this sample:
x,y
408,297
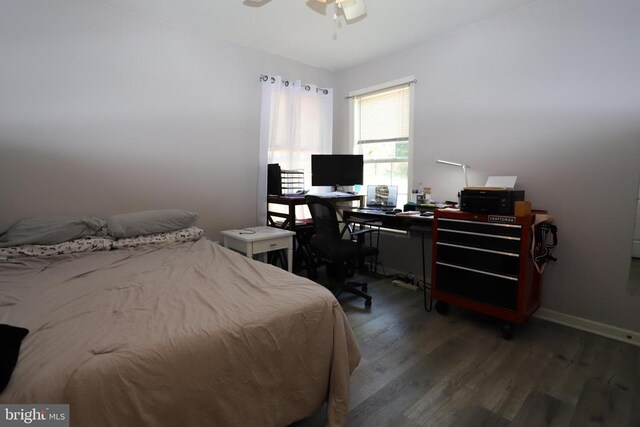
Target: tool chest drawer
x,y
500,291
490,229
505,263
485,241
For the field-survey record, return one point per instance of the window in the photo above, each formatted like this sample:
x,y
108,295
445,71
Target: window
x,y
381,134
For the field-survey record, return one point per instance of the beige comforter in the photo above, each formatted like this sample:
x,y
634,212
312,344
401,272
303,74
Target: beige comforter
x,y
183,334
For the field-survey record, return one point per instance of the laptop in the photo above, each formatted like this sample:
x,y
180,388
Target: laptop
x,y
382,197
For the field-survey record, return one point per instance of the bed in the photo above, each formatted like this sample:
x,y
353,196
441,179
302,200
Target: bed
x,y
171,334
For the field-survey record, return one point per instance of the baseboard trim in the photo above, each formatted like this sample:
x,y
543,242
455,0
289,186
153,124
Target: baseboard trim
x,y
597,328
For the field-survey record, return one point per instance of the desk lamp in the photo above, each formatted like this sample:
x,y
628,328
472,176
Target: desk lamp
x,y
460,165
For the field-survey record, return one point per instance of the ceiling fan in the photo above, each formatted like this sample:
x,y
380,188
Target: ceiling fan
x,y
351,9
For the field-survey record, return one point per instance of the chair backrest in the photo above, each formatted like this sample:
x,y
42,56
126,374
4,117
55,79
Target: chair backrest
x,y
274,179
325,219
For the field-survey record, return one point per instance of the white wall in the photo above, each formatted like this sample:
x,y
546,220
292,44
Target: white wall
x,y
102,111
549,92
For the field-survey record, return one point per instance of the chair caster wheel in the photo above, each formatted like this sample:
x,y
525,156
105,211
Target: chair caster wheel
x,y
367,303
507,330
442,308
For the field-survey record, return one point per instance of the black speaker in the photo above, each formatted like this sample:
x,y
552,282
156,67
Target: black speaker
x,y
274,179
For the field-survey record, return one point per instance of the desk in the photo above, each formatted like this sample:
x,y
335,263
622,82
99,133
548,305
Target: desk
x,y
417,223
257,240
411,223
293,201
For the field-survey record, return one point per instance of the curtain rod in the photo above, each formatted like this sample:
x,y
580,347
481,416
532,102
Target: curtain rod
x,y
409,83
307,87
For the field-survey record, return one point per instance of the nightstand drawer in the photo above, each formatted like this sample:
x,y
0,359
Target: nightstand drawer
x,y
271,244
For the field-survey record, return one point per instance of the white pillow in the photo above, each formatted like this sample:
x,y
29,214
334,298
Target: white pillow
x,y
184,235
89,244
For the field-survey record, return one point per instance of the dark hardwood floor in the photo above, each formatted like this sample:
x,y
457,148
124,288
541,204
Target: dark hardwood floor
x,y
424,369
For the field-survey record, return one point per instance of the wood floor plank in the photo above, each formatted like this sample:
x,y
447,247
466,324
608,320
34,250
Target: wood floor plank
x,y
507,388
457,389
389,364
541,409
635,404
471,416
602,404
391,401
393,300
616,364
566,372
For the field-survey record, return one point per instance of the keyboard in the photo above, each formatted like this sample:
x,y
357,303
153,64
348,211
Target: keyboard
x,y
378,210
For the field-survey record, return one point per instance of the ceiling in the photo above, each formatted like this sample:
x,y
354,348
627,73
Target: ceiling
x,y
298,29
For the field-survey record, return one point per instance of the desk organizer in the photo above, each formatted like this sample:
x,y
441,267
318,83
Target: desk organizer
x,y
292,181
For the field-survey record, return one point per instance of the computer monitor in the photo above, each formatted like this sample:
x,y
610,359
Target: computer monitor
x,y
382,196
336,169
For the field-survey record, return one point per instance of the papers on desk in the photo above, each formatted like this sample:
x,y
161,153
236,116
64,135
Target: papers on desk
x,y
501,181
409,213
497,183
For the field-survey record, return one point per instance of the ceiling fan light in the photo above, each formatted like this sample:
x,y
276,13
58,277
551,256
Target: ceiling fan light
x,y
353,8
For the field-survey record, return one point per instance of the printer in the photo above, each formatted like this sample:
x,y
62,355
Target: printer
x,y
496,197
490,200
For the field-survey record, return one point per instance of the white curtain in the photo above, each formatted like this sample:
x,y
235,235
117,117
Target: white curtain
x,y
296,121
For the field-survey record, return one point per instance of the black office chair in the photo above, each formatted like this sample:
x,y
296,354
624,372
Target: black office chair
x,y
340,255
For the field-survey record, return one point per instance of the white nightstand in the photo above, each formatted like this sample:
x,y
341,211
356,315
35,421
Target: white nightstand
x,y
258,240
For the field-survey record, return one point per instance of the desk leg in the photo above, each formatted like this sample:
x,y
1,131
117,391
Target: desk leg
x,y
424,279
249,250
292,217
290,255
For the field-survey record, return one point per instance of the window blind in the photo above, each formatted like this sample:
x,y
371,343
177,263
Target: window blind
x,y
384,116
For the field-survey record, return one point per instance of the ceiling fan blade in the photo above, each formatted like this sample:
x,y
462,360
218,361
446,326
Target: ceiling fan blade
x,y
352,9
255,3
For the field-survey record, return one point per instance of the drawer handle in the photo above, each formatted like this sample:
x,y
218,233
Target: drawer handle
x,y
495,236
493,224
515,279
471,248
273,244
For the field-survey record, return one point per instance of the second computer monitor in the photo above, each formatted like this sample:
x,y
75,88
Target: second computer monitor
x,y
336,169
382,196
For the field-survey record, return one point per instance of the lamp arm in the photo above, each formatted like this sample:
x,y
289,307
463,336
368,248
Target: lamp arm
x,y
466,180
